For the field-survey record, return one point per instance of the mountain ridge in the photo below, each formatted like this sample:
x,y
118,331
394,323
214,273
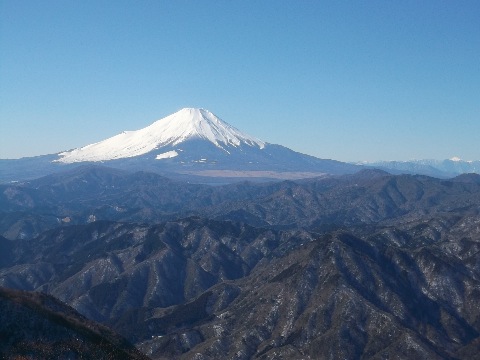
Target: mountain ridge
x,y
37,325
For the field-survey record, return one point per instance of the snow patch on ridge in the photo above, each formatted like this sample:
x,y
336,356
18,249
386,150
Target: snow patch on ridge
x,y
186,124
167,155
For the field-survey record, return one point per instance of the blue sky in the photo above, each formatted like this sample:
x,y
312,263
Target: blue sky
x,y
347,80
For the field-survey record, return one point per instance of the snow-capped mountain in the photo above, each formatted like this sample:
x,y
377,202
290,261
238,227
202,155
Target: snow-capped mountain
x,y
190,142
195,141
183,126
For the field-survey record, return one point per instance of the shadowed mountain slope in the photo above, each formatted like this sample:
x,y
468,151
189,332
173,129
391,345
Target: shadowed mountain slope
x,y
340,296
37,326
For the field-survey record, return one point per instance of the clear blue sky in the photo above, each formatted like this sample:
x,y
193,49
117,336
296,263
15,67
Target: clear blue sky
x,y
347,80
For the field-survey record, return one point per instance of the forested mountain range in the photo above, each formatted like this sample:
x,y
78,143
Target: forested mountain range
x,y
368,265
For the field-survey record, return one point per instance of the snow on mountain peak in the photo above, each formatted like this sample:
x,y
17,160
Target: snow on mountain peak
x,y
185,124
189,123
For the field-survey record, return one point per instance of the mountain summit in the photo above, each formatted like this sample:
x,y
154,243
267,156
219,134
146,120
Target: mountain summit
x,y
173,130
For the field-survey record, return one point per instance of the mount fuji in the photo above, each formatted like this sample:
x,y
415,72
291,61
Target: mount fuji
x,y
190,142
172,132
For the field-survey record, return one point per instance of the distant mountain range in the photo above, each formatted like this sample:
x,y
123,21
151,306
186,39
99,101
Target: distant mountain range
x,y
197,145
437,168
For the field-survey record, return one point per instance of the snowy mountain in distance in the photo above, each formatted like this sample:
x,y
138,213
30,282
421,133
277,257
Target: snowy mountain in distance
x,y
192,143
196,142
438,168
173,130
